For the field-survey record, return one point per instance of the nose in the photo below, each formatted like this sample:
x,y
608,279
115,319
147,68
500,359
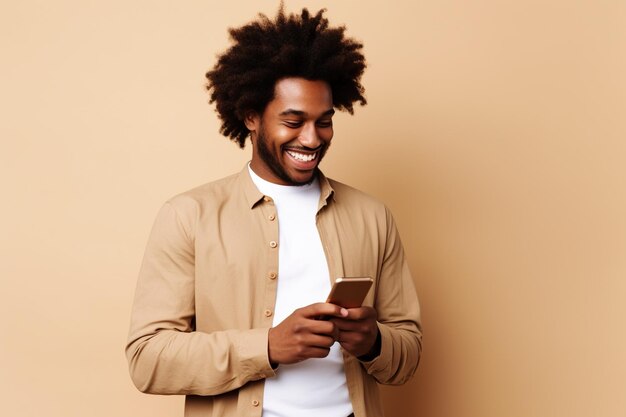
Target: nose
x,y
309,137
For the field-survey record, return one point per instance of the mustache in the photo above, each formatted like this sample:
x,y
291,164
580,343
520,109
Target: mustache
x,y
304,148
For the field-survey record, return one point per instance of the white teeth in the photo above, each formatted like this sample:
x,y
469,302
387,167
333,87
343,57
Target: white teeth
x,y
302,157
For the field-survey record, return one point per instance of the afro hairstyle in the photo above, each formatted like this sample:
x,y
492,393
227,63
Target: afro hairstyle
x,y
265,51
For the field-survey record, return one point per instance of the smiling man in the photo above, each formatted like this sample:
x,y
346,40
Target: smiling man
x,y
230,298
293,132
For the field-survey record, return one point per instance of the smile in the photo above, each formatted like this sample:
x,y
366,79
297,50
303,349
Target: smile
x,y
304,157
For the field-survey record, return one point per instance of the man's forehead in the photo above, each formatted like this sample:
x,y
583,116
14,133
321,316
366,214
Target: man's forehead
x,y
299,95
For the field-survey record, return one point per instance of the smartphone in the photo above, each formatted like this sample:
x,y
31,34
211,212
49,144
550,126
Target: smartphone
x,y
349,292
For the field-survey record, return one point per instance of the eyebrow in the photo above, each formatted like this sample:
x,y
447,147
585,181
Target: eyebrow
x,y
293,112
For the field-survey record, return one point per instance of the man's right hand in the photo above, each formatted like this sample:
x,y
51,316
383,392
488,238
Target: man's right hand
x,y
303,336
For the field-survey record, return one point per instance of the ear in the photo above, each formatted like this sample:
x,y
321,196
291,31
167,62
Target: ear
x,y
252,121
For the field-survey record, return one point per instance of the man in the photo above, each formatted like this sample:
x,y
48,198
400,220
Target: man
x,y
231,292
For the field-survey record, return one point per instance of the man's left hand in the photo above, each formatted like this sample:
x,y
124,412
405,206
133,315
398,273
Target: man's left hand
x,y
358,331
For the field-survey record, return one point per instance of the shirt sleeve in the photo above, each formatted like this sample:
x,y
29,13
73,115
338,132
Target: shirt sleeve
x,y
398,312
166,355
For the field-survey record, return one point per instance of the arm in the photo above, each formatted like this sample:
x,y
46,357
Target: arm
x,y
398,312
165,353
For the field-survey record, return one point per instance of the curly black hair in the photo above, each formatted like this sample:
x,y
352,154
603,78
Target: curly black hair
x,y
266,51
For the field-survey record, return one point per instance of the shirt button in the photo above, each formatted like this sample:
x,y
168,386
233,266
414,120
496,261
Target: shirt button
x,y
273,244
255,403
271,217
268,313
273,275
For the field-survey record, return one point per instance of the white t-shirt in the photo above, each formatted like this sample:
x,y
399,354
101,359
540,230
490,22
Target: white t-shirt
x,y
315,387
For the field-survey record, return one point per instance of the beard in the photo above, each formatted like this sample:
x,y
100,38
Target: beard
x,y
271,159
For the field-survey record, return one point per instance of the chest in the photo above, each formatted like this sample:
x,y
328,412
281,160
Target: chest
x,y
237,260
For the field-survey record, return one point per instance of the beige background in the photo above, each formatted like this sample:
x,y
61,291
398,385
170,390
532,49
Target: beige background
x,y
495,132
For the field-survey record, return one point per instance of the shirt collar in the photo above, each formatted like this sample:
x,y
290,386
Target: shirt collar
x,y
254,196
327,191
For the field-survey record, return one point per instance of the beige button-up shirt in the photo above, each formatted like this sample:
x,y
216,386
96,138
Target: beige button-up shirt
x,y
207,287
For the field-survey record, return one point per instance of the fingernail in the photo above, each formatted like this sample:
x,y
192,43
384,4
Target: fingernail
x,y
344,312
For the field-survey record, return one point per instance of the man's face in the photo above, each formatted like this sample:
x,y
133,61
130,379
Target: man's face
x,y
290,138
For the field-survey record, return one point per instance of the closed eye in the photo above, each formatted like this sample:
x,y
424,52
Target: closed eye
x,y
292,124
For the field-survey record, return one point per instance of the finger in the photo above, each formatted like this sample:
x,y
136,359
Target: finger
x,y
346,325
317,310
319,341
302,353
355,343
323,327
361,313
351,337
318,352
358,326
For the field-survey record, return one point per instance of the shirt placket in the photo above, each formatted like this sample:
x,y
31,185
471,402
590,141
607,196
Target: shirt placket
x,y
328,235
269,274
270,227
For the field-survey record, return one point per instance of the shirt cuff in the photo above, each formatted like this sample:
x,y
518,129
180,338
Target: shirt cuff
x,y
381,362
254,355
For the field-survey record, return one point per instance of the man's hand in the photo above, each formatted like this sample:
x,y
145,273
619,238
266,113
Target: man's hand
x,y
358,332
303,336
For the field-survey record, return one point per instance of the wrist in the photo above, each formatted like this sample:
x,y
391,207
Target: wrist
x,y
374,350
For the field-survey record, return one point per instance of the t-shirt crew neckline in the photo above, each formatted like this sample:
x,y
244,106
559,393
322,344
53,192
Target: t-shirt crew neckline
x,y
267,187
